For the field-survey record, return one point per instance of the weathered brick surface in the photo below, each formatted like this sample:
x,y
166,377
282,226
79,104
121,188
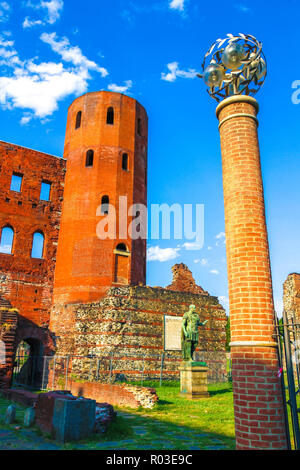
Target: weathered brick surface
x,y
45,408
24,397
8,327
117,395
183,280
27,282
128,323
92,312
86,265
257,391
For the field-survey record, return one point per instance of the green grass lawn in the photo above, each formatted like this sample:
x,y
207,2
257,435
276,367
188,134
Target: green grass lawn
x,y
175,421
213,415
20,411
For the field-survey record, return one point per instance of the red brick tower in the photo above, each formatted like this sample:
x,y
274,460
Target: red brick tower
x,y
106,152
258,405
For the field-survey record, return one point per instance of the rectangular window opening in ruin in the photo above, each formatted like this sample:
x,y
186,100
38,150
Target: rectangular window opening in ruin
x,y
16,182
45,191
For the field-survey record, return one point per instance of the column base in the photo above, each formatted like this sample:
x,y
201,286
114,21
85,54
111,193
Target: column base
x,y
193,380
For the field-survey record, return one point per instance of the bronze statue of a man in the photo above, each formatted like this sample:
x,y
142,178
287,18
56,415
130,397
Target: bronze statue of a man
x,y
190,333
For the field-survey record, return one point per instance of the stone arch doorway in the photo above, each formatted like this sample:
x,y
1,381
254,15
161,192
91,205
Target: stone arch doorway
x,y
28,365
32,345
122,254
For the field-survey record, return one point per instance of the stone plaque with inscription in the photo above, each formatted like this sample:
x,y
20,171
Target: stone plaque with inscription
x,y
172,333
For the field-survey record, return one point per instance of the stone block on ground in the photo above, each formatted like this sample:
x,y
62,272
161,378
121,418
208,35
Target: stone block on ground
x,y
73,420
10,415
29,417
105,413
45,408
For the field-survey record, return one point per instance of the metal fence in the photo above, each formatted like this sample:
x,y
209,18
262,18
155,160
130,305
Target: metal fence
x,y
288,338
52,372
56,372
27,371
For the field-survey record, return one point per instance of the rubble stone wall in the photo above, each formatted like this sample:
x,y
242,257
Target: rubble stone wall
x,y
291,296
127,326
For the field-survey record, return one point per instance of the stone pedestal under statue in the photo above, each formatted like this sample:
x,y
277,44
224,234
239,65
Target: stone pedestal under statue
x,y
193,380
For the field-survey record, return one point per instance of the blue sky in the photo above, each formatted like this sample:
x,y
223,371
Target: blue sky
x,y
52,51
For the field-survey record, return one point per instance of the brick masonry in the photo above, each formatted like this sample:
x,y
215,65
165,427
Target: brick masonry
x,y
25,281
87,265
83,295
129,323
8,327
183,280
117,395
258,404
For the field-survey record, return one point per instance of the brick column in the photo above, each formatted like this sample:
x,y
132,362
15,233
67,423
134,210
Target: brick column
x,y
258,404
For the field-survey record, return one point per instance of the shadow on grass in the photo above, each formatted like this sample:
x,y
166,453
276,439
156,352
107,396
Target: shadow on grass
x,y
165,402
212,393
175,424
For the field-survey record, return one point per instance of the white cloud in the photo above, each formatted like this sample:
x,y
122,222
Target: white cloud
x,y
224,301
203,261
221,240
40,93
177,5
53,11
155,253
38,87
214,271
220,235
54,8
278,302
120,89
9,56
175,72
26,119
242,8
70,53
209,248
192,246
4,11
27,23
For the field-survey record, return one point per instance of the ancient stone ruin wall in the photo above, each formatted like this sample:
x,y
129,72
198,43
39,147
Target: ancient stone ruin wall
x,y
127,326
25,281
291,296
184,281
8,326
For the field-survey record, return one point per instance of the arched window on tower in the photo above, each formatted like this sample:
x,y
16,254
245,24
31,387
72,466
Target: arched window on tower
x,y
7,239
139,126
89,158
38,245
125,161
78,120
104,205
110,116
121,264
122,247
